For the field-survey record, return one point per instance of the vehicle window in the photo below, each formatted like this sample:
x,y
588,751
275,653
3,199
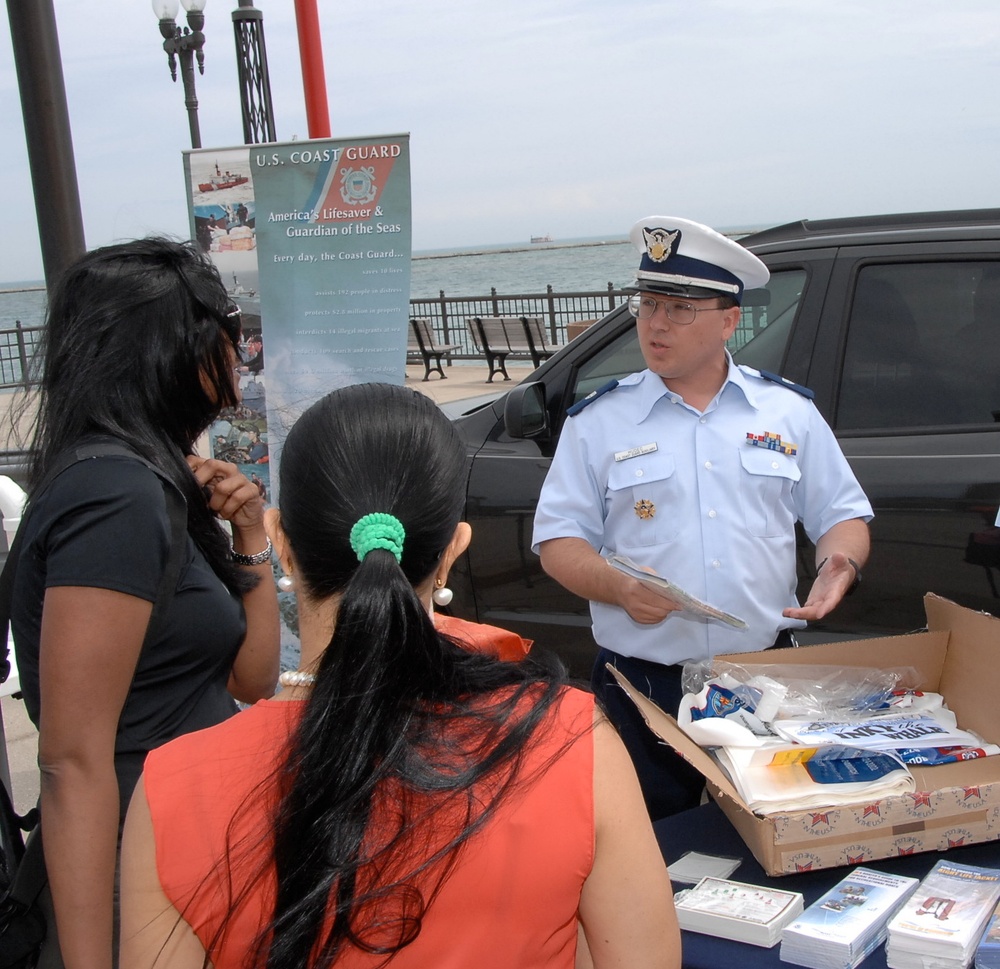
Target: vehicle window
x,y
923,346
618,359
766,321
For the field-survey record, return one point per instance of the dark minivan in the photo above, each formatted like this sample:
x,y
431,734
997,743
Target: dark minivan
x,y
894,323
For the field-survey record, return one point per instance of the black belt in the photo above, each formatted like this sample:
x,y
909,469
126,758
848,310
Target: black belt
x,y
784,640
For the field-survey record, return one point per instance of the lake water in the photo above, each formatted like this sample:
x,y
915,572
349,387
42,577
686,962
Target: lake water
x,y
573,265
576,265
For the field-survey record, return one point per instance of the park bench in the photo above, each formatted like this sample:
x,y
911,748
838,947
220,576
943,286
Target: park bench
x,y
498,337
424,343
538,340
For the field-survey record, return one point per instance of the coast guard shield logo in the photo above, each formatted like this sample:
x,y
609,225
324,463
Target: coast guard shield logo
x,y
661,244
357,185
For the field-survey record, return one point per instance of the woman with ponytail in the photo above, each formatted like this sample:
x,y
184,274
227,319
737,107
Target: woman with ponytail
x,y
136,361
403,801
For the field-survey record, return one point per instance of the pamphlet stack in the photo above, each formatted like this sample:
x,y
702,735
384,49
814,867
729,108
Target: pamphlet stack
x,y
840,929
737,911
988,951
941,924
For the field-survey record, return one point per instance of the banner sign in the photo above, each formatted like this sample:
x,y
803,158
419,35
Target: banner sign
x,y
334,246
313,240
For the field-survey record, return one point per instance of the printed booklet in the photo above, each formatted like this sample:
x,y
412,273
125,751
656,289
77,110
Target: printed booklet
x,y
737,911
792,778
664,587
841,928
883,732
943,920
988,950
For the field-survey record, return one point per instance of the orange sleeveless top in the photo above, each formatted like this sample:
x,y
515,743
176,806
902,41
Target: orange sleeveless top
x,y
511,899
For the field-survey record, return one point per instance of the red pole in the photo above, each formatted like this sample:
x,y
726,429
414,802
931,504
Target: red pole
x,y
313,75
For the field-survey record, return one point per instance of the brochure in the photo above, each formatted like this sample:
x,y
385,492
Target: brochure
x,y
988,950
737,911
882,732
943,920
841,928
664,587
693,866
792,778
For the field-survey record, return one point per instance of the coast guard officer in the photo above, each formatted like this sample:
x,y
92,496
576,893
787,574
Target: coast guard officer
x,y
698,469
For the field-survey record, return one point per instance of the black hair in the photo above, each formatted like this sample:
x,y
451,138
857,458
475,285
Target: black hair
x,y
398,713
138,345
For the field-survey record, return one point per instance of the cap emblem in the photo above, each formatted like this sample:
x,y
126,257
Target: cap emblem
x,y
661,244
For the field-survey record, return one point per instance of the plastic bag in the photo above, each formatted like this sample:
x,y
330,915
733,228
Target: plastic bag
x,y
787,691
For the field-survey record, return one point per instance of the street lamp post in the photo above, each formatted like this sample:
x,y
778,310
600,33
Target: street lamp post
x,y
255,83
187,45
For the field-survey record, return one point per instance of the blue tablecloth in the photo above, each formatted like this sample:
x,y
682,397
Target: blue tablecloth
x,y
708,830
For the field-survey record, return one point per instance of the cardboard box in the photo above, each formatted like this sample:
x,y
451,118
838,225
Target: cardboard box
x,y
953,804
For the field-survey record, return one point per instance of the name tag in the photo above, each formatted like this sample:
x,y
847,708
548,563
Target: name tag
x,y
635,452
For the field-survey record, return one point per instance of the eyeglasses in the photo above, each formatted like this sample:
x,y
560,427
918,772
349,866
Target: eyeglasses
x,y
643,306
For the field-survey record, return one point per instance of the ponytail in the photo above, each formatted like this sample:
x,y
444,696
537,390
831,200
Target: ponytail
x,y
407,743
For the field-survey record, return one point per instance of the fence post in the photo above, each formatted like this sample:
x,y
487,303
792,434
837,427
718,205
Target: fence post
x,y
552,314
496,305
22,354
444,318
611,296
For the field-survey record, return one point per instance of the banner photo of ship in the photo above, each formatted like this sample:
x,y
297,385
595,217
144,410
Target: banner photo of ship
x,y
222,207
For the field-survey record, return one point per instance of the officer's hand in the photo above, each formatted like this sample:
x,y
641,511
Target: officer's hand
x,y
640,603
832,581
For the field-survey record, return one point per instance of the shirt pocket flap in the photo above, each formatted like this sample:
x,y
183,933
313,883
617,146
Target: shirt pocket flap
x,y
635,472
774,464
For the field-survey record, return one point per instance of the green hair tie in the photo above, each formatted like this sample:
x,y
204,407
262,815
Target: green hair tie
x,y
378,530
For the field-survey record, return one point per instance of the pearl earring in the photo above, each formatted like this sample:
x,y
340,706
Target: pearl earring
x,y
286,583
442,595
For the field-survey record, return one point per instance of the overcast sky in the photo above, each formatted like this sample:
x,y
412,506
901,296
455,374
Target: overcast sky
x,y
562,117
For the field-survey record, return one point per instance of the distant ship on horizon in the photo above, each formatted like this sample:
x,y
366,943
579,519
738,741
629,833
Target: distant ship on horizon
x,y
536,239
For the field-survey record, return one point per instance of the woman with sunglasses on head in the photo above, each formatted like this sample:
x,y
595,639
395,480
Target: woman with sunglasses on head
x,y
403,801
137,358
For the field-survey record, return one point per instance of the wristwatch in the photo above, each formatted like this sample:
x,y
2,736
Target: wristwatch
x,y
857,574
857,577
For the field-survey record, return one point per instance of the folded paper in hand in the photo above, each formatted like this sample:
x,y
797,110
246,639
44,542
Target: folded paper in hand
x,y
664,587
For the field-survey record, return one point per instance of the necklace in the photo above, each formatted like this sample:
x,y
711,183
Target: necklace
x,y
296,678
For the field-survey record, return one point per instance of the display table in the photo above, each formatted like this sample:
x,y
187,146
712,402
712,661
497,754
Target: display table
x,y
707,829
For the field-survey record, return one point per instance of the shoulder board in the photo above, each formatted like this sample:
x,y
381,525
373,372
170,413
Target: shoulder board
x,y
785,382
575,409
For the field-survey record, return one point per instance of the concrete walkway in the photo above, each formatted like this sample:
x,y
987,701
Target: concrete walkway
x,y
464,379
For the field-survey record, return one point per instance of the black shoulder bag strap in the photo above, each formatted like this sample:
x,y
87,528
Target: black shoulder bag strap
x,y
30,877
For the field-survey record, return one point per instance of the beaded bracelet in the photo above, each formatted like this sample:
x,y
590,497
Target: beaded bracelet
x,y
258,558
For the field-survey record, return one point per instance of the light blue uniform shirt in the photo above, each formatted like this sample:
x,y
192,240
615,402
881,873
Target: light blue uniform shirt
x,y
723,510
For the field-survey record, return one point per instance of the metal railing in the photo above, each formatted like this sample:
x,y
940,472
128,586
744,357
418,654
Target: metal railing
x,y
17,351
448,314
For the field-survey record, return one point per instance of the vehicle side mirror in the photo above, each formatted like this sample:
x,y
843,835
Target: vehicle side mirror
x,y
524,413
